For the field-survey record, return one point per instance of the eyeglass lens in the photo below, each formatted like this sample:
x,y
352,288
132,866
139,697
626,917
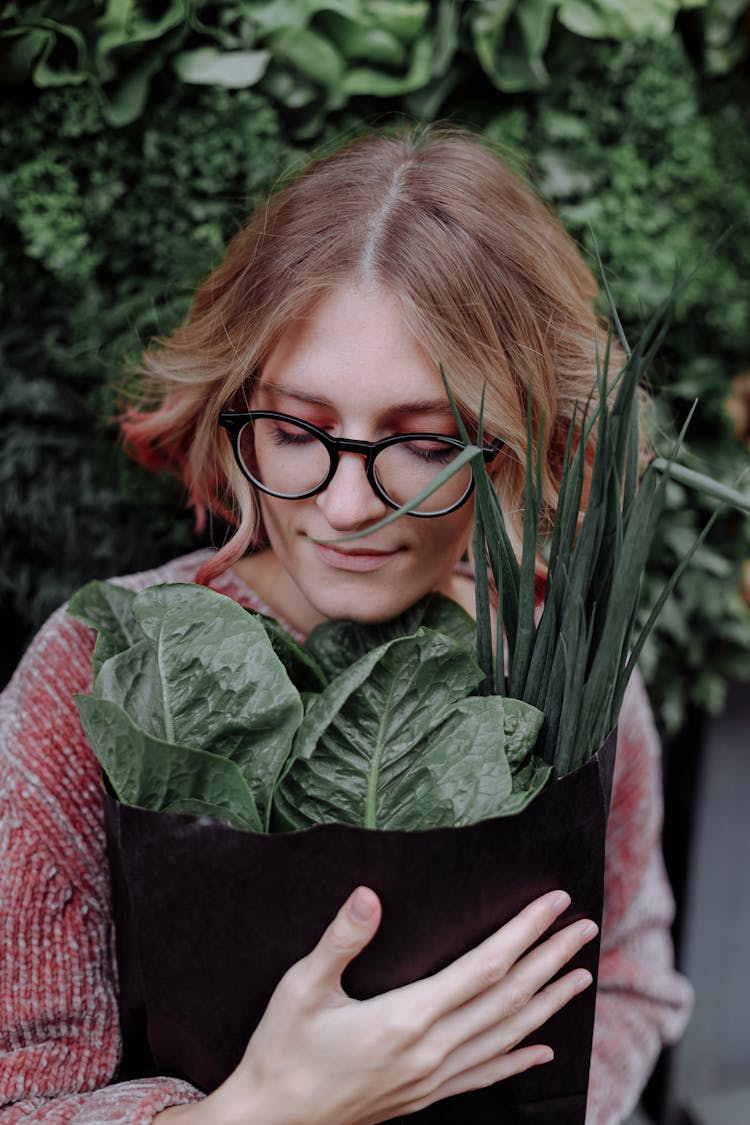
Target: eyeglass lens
x,y
291,462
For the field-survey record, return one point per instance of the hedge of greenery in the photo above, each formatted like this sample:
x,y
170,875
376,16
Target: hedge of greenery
x,y
132,145
310,57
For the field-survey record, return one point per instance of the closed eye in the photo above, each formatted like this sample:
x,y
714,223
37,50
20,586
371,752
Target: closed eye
x,y
430,452
280,436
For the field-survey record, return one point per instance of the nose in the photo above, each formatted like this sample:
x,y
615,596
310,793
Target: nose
x,y
349,502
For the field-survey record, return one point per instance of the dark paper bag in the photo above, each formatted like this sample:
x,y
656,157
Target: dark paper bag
x,y
208,918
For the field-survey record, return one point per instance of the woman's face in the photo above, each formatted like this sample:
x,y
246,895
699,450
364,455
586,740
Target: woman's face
x,y
354,369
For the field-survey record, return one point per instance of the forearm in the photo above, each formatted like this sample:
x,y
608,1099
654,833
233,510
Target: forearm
x,y
134,1103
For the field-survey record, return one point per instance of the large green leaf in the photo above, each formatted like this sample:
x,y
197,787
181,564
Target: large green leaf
x,y
301,666
162,776
530,773
527,782
222,685
191,666
459,776
469,762
108,608
336,645
522,724
133,680
393,741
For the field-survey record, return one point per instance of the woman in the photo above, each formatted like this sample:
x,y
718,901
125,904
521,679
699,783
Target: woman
x,y
329,319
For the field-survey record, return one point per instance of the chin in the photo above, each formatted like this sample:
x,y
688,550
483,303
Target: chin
x,y
367,607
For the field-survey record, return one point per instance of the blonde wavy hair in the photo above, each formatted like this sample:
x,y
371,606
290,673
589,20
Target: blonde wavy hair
x,y
490,284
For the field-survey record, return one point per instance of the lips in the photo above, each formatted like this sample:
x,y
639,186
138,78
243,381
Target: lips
x,y
355,560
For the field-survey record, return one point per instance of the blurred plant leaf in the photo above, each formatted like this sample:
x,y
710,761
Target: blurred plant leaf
x,y
620,19
509,38
208,66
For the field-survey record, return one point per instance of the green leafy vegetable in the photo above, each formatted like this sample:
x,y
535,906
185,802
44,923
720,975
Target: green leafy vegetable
x,y
197,707
301,663
337,644
155,774
203,676
108,608
394,742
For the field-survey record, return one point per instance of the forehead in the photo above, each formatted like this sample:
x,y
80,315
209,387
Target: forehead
x,y
354,347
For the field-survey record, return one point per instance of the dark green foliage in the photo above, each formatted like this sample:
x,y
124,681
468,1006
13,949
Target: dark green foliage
x,y
107,234
312,58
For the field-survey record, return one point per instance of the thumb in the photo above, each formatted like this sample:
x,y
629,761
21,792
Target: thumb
x,y
350,931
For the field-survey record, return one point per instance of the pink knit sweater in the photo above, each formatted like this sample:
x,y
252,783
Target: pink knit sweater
x,y
59,1034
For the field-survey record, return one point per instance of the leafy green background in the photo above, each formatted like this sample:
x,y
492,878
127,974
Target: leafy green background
x,y
135,135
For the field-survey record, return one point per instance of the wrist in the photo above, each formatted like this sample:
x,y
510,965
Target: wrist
x,y
222,1107
184,1114
237,1101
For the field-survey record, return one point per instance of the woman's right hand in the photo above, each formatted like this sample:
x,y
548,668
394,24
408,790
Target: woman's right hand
x,y
319,1057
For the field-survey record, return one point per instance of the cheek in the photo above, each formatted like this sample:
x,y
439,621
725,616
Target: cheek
x,y
275,520
449,538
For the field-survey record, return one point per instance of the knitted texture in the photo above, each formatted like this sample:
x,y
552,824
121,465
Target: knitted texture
x,y
59,1030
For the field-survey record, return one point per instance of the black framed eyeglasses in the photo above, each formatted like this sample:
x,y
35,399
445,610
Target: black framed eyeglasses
x,y
291,459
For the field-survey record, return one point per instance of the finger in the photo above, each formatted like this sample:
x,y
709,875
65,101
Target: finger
x,y
487,1074
486,965
350,931
494,1055
517,989
504,1037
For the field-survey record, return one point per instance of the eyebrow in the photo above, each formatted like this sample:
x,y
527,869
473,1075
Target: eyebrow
x,y
418,406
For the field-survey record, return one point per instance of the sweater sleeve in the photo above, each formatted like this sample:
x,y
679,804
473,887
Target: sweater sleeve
x,y
59,1025
642,1003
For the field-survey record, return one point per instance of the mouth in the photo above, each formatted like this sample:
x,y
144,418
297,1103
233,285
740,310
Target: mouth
x,y
358,559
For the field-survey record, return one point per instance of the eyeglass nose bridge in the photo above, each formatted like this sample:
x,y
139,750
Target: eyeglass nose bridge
x,y
366,449
350,445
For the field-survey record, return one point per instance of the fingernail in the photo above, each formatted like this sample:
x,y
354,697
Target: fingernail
x,y
562,902
583,980
361,905
589,931
546,1055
